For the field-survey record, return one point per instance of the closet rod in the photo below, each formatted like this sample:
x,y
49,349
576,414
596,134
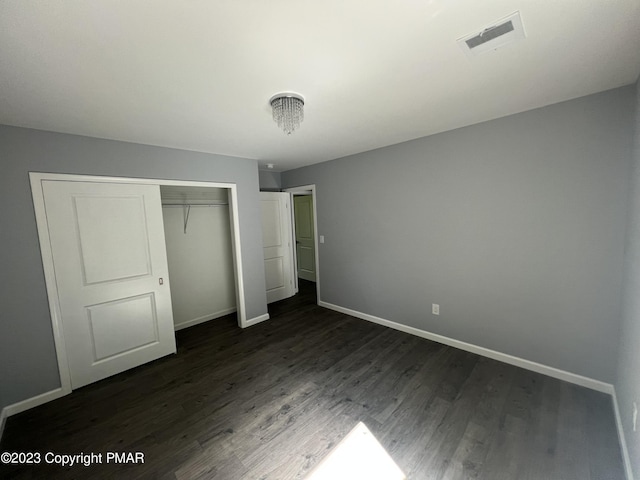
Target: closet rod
x,y
195,204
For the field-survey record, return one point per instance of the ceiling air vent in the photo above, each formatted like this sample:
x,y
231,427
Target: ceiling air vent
x,y
498,35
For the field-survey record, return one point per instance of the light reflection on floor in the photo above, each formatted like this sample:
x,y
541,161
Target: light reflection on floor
x,y
358,455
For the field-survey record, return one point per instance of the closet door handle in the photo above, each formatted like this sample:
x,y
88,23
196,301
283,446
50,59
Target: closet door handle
x,y
161,281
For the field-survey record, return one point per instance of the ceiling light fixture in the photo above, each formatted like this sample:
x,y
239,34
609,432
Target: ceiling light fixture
x,y
288,111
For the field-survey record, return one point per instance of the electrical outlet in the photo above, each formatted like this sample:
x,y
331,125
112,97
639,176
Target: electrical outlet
x,y
635,416
435,309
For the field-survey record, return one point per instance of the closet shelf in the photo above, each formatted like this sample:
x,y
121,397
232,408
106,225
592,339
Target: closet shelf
x,y
187,209
195,204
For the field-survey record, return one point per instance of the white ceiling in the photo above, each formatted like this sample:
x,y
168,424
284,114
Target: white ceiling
x,y
198,74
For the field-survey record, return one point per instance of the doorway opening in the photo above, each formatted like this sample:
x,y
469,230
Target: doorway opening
x,y
198,239
304,235
304,223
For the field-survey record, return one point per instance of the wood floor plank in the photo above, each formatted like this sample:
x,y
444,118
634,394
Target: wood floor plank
x,y
572,433
604,455
271,401
450,433
542,439
469,456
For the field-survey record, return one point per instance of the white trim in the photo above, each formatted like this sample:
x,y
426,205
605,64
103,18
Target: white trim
x,y
293,263
306,189
294,248
255,320
29,403
3,420
203,319
69,177
50,281
36,179
621,437
485,352
34,401
237,256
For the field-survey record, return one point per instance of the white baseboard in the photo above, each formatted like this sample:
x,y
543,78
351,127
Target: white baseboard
x,y
28,404
204,318
485,352
254,320
3,420
34,401
623,442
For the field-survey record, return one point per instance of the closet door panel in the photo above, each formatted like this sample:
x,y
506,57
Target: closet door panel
x,y
110,264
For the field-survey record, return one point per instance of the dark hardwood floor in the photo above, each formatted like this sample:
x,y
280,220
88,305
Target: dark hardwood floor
x,y
269,402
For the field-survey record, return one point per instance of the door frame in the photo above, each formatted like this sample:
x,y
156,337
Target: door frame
x,y
36,179
305,190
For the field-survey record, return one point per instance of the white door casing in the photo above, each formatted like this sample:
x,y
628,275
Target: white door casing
x,y
276,238
108,248
305,237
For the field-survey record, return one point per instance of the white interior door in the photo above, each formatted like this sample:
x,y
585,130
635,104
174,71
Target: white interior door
x,y
276,237
305,238
110,263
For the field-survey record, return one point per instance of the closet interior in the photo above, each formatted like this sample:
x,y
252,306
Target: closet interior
x,y
199,253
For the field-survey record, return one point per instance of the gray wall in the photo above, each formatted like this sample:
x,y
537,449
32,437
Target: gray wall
x,y
628,382
27,355
270,181
514,226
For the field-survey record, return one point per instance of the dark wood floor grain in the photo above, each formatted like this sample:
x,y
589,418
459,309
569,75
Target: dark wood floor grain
x,y
271,401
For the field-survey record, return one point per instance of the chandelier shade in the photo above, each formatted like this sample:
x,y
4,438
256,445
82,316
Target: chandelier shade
x,y
288,111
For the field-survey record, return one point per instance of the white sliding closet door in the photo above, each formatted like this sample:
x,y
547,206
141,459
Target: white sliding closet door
x,y
110,264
